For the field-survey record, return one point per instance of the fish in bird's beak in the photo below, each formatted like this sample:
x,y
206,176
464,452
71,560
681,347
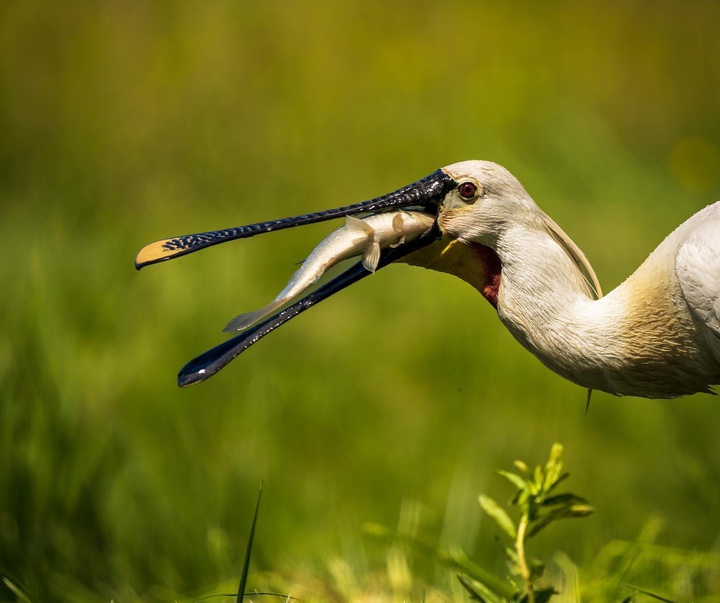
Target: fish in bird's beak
x,y
424,195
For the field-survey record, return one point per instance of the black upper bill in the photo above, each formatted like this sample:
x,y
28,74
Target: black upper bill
x,y
210,362
424,194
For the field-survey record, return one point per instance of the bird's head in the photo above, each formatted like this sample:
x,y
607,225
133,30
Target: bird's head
x,y
484,201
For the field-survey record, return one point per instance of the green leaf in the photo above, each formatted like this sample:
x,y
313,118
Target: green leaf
x,y
563,499
649,594
547,519
502,588
538,480
520,498
553,468
540,525
556,455
519,482
543,595
524,469
537,569
511,560
558,481
495,511
565,512
478,591
511,554
580,511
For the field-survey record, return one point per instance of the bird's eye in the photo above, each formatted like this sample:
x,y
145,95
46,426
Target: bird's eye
x,y
468,190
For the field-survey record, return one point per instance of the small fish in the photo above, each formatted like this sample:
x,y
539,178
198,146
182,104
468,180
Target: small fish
x,y
364,237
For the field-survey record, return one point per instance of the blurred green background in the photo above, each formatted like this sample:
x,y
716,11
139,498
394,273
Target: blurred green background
x,y
122,122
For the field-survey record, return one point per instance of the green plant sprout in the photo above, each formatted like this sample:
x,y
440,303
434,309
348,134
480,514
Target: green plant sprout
x,y
539,506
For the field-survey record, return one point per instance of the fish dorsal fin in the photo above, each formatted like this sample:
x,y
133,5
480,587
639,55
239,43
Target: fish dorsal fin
x,y
358,228
575,254
398,226
371,257
398,223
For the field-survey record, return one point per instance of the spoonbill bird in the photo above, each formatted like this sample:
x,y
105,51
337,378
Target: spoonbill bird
x,y
657,335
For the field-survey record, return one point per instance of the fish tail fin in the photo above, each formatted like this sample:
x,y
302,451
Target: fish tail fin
x,y
248,319
371,257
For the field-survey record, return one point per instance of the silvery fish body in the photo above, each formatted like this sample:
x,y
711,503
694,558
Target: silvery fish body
x,y
364,237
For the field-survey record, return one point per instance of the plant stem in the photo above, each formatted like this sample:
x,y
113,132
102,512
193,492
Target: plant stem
x,y
522,563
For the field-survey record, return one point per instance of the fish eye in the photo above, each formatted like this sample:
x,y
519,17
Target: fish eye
x,y
468,190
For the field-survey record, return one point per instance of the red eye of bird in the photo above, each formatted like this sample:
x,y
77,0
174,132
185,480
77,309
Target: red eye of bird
x,y
467,190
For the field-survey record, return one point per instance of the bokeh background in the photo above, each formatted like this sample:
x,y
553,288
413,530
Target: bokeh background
x,y
122,122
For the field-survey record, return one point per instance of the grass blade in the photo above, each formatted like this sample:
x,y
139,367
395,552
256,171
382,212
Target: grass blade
x,y
248,550
16,591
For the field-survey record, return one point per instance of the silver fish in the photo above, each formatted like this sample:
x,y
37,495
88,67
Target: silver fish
x,y
364,237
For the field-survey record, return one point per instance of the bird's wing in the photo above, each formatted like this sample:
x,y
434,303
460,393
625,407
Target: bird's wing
x,y
697,267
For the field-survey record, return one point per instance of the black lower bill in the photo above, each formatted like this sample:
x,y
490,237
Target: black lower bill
x,y
210,362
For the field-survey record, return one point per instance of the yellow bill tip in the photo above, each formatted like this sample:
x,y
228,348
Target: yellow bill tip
x,y
156,252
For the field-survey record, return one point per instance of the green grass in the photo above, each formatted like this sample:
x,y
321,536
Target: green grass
x,y
125,123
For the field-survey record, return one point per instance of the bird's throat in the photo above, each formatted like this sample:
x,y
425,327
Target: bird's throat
x,y
474,263
491,271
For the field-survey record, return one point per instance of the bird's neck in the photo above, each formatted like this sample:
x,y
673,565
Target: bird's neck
x,y
619,343
542,294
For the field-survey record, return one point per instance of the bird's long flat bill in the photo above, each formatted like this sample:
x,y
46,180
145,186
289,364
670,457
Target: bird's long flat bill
x,y
210,362
423,194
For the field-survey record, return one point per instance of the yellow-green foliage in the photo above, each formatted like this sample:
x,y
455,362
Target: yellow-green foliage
x,y
122,122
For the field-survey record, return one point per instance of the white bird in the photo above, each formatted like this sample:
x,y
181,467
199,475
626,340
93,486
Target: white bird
x,y
657,335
